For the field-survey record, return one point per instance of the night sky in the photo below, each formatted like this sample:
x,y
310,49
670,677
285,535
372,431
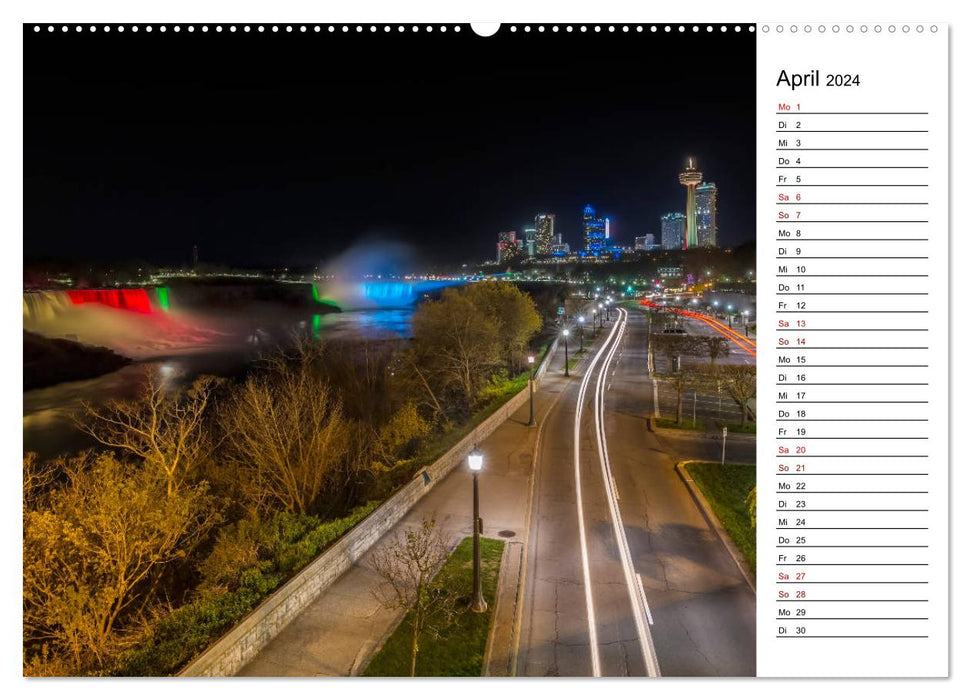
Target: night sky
x,y
268,149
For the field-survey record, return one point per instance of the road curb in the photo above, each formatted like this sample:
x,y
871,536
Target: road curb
x,y
705,434
715,523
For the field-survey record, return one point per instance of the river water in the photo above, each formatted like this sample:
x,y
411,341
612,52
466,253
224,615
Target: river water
x,y
49,414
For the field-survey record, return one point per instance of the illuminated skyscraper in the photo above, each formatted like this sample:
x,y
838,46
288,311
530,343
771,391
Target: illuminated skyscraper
x,y
691,178
706,210
594,232
507,249
672,231
529,239
545,225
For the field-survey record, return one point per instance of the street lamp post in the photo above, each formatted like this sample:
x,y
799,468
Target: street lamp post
x,y
745,314
531,359
566,352
478,602
601,315
580,320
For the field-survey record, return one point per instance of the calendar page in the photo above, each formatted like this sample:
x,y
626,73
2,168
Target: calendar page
x,y
396,349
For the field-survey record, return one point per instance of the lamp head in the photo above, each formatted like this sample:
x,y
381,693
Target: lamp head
x,y
531,359
475,461
566,332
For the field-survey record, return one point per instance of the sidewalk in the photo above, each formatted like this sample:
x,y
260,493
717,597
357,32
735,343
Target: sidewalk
x,y
337,633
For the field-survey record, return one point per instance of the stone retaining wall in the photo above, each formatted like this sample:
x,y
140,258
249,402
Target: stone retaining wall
x,y
238,646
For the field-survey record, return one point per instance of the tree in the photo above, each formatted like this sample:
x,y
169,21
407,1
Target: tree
x,y
163,427
514,314
739,381
39,478
407,566
675,345
94,551
286,435
456,347
716,346
462,340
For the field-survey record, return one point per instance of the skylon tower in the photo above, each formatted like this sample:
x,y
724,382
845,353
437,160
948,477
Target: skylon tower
x,y
691,178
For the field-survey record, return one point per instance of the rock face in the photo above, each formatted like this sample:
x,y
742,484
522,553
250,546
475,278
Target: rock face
x,y
50,361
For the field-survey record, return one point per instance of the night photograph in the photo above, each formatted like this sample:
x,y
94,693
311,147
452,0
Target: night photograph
x,y
388,350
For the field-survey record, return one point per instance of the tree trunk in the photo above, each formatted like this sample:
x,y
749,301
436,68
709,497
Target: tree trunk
x,y
414,646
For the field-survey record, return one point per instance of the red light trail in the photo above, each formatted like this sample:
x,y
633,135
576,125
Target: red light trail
x,y
747,344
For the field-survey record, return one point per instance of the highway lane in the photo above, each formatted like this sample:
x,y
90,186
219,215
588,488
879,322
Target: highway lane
x,y
633,548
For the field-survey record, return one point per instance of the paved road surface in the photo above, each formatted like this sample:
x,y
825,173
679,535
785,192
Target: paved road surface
x,y
703,611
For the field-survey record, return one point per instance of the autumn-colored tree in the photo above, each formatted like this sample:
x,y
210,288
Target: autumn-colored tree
x,y
285,433
93,552
407,566
163,427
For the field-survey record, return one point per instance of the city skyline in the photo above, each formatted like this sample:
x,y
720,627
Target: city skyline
x,y
260,158
596,240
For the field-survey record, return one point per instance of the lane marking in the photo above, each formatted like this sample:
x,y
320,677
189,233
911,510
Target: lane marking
x,y
635,586
584,556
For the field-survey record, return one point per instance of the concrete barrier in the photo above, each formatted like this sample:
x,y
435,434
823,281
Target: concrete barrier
x,y
238,646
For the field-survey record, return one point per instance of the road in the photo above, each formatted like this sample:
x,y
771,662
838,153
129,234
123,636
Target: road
x,y
624,576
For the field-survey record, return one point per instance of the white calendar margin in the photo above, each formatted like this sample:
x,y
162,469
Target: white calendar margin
x,y
902,71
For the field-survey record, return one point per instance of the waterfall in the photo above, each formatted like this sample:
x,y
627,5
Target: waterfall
x,y
40,307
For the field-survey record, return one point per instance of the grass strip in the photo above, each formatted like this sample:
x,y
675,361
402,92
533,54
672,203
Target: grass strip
x,y
460,648
672,424
726,487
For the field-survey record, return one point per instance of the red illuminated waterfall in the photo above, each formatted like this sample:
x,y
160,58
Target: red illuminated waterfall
x,y
127,299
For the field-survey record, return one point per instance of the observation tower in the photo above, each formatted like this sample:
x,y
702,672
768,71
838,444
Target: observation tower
x,y
690,178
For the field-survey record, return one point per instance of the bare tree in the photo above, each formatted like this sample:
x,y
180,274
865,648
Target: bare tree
x,y
285,433
39,478
739,381
164,428
716,346
407,566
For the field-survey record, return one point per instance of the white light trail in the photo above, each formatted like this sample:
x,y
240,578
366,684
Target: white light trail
x,y
635,586
585,560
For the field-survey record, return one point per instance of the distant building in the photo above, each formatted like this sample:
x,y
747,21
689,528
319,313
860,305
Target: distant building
x,y
670,272
672,231
644,242
545,225
560,249
508,247
529,239
706,208
594,232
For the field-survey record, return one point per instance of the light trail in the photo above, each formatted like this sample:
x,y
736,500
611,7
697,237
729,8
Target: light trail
x,y
584,556
746,344
635,586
